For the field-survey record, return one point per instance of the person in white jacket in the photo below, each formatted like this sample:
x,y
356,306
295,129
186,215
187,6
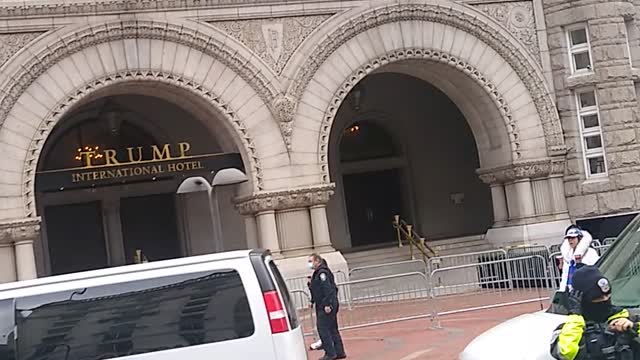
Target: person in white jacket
x,y
576,249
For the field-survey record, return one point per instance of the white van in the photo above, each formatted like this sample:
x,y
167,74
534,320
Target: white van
x,y
528,337
231,305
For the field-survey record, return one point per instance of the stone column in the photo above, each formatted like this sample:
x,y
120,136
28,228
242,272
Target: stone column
x,y
498,197
523,200
268,230
25,260
7,263
251,229
22,233
320,226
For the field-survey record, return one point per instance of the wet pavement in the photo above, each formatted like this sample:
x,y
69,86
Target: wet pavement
x,y
415,340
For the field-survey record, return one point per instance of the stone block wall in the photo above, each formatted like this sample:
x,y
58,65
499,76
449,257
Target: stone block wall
x,y
614,79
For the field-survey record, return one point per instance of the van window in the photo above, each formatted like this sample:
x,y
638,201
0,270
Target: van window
x,y
7,330
291,310
134,317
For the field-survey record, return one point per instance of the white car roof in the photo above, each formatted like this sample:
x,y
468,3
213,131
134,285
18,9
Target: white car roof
x,y
119,270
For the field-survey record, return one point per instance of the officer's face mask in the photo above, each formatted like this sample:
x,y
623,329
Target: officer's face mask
x,y
598,312
310,265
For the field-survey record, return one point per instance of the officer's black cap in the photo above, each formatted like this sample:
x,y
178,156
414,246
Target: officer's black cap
x,y
590,281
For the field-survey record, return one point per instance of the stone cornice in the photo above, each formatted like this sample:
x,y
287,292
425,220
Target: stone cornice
x,y
284,200
522,170
62,8
19,230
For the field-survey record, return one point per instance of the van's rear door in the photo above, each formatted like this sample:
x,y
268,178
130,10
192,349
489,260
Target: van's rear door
x,y
288,339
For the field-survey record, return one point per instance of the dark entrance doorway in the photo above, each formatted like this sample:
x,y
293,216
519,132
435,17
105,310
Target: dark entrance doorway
x,y
148,224
75,237
372,199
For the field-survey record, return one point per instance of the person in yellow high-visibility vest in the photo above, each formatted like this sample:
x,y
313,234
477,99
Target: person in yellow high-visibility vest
x,y
589,302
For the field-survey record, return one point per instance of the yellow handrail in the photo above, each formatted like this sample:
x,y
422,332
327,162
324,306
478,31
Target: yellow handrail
x,y
412,237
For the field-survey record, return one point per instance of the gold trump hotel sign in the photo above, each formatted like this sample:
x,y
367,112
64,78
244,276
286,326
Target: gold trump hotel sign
x,y
108,167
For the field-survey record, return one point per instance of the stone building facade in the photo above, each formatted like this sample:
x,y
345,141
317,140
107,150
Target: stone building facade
x,y
508,119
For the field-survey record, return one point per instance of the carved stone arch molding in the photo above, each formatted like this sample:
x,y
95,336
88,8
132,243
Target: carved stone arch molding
x,y
457,16
28,70
32,101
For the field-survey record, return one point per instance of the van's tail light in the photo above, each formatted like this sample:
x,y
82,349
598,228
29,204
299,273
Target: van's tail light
x,y
277,315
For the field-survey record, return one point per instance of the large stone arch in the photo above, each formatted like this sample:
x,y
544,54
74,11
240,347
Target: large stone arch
x,y
482,55
46,81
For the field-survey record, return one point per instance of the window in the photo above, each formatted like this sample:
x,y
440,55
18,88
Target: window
x,y
134,317
591,133
579,49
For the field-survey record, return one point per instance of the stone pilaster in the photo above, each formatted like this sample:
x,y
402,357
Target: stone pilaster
x,y
320,226
499,199
527,202
268,230
19,234
7,263
251,229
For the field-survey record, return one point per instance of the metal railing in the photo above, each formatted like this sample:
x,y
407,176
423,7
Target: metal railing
x,y
403,229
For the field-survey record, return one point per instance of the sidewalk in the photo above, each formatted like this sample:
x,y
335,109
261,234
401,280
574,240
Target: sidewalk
x,y
413,340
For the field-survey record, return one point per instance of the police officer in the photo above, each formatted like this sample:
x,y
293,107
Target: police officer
x,y
590,307
324,295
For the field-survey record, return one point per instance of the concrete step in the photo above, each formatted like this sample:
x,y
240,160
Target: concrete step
x,y
455,240
393,253
476,248
463,245
377,256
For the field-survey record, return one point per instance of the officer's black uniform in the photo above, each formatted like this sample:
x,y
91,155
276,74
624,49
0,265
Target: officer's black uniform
x,y
325,293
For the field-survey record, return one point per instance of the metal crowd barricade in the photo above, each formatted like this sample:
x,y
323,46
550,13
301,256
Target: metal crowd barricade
x,y
466,258
300,283
554,268
446,290
306,315
519,280
385,299
392,268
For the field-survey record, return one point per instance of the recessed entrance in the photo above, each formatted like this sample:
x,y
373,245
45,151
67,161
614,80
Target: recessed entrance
x,y
400,146
107,180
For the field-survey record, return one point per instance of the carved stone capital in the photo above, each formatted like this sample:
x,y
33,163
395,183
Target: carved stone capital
x,y
522,170
14,231
284,200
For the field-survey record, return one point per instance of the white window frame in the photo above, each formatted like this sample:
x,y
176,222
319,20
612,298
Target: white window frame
x,y
592,131
579,49
632,34
627,29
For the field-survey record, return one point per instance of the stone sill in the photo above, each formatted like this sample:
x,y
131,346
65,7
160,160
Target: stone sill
x,y
596,180
581,79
